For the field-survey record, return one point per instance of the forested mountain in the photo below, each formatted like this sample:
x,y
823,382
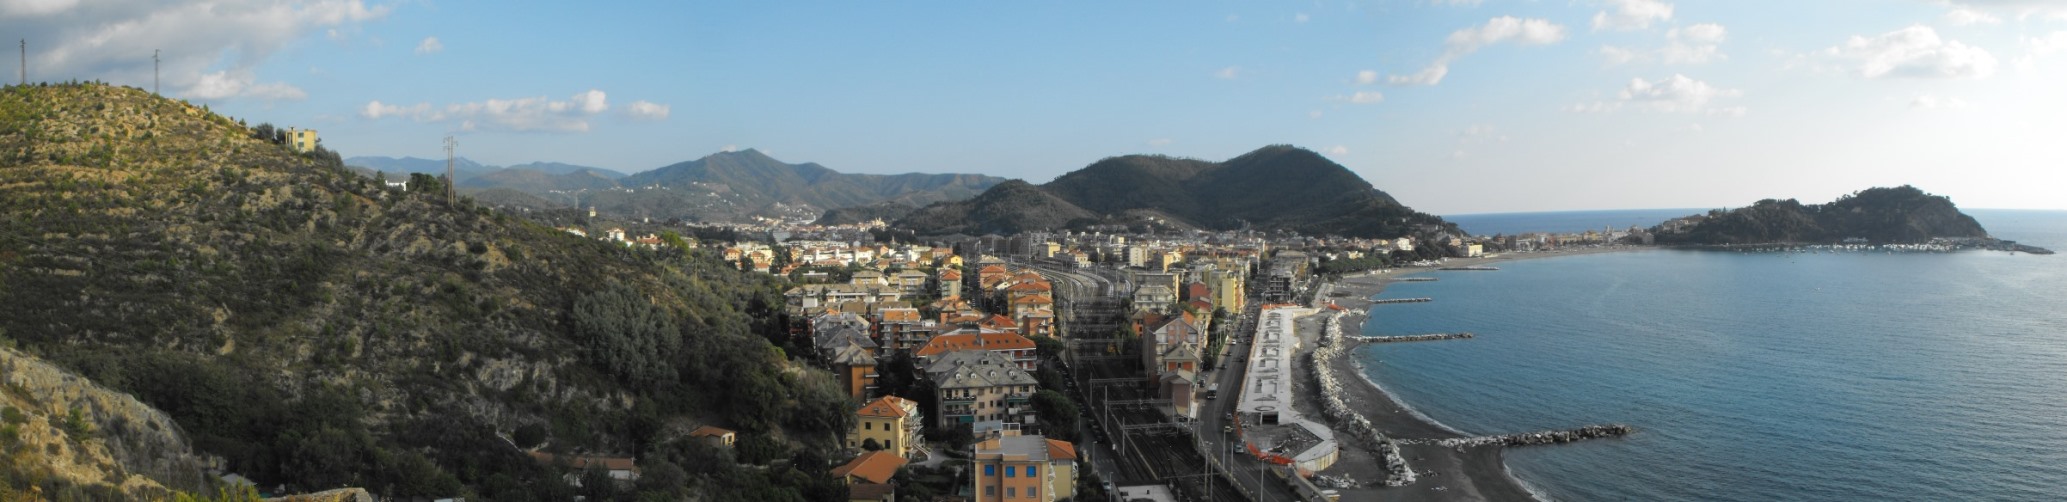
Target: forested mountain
x,y
393,166
1900,215
536,181
759,180
886,211
315,329
1275,187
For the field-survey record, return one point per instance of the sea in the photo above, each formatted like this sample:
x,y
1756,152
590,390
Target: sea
x,y
1752,376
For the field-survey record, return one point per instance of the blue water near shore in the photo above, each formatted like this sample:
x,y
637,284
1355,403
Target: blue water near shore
x,y
1565,221
1775,376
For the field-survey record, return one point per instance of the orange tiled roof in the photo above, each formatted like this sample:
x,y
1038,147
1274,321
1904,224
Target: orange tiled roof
x,y
900,315
708,431
1061,449
875,466
991,340
886,407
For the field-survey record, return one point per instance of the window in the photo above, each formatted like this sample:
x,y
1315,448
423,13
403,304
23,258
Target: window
x,y
1008,471
990,470
990,490
1011,492
868,426
1030,471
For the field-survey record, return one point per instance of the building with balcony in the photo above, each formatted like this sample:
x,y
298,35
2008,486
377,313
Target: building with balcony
x,y
1010,467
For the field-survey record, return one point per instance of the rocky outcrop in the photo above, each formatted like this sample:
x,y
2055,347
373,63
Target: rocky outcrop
x,y
89,435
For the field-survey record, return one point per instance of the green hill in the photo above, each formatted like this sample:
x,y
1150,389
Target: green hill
x,y
757,180
1275,187
1900,215
316,329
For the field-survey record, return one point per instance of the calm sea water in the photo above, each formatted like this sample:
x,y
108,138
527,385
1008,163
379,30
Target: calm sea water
x,y
1757,376
1566,221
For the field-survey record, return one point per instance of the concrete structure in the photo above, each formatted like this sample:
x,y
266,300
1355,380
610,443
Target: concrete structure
x,y
1271,428
717,436
1010,467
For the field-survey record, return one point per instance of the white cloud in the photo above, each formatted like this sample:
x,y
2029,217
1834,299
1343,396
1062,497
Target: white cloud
x,y
1161,142
1631,15
1337,150
1915,52
532,114
1929,102
1675,94
210,48
1981,10
1503,29
1366,97
1313,114
1697,44
1366,77
2038,47
1962,16
729,148
429,45
1301,18
646,110
1228,73
227,84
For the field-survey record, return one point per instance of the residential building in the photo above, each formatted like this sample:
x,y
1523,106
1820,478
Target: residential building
x,y
890,422
302,140
1009,467
980,385
872,468
720,437
1015,347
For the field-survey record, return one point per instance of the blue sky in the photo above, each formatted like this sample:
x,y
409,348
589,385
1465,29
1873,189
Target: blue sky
x,y
1451,106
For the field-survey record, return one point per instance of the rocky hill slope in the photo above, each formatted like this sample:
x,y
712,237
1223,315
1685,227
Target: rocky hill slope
x,y
1275,187
317,330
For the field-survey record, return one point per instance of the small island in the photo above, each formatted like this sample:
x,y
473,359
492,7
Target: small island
x,y
1902,217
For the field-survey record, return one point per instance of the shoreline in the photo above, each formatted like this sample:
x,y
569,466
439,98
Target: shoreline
x,y
1478,473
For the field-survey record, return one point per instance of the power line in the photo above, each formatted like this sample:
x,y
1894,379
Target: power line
x,y
450,179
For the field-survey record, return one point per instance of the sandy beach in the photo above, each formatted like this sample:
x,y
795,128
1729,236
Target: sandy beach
x,y
1477,473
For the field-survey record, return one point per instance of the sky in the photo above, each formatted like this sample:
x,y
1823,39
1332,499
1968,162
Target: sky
x,y
1451,106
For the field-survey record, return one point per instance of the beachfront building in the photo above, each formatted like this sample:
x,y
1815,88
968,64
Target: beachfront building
x,y
1271,429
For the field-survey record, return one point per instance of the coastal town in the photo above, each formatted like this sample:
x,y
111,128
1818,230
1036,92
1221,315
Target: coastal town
x,y
1175,365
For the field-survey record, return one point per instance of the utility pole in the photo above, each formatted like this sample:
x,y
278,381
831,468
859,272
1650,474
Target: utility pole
x,y
154,71
25,62
449,177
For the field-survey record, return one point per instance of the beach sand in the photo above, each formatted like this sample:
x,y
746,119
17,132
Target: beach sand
x,y
1477,473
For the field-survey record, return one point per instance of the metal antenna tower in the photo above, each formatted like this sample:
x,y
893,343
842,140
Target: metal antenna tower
x,y
154,71
25,62
449,177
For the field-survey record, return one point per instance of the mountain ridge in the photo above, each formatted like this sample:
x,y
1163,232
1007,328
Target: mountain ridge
x,y
1274,187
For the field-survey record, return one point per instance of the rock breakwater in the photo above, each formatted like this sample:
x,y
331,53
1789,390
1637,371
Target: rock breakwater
x,y
1354,425
1534,438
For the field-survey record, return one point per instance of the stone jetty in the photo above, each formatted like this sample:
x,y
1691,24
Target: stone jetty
x,y
1411,338
1416,279
1535,438
1472,268
1401,300
1358,428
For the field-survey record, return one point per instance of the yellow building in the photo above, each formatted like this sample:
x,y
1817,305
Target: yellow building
x,y
891,422
301,140
1009,467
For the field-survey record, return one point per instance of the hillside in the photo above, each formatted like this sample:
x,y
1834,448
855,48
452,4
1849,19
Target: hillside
x,y
1276,187
886,211
754,181
1900,215
317,330
402,166
535,181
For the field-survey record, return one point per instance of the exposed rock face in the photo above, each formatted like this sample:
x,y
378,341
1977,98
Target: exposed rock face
x,y
115,439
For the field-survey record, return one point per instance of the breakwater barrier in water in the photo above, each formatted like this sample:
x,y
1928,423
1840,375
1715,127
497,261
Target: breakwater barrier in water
x,y
1359,429
1533,438
1474,268
1401,300
1417,279
1411,338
